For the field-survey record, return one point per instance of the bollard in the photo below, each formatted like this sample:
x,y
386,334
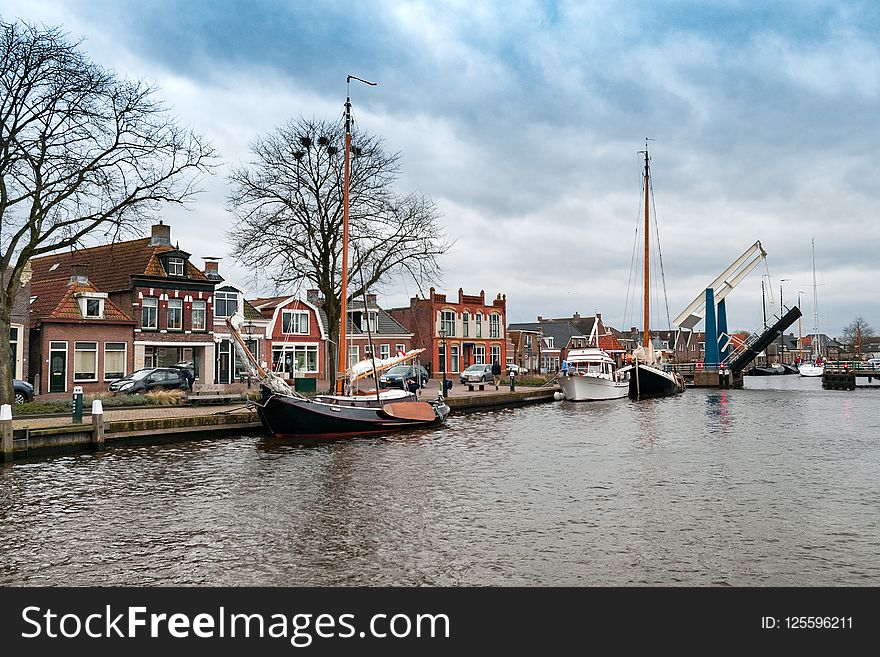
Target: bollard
x,y
77,405
6,433
512,384
98,425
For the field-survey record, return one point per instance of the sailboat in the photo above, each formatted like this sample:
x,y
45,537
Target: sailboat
x,y
816,366
647,376
284,411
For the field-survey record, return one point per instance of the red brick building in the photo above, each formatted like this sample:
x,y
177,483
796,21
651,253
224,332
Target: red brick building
x,y
100,313
468,328
297,339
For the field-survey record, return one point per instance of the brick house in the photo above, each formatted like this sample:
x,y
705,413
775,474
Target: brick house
x,y
472,330
116,308
298,341
295,336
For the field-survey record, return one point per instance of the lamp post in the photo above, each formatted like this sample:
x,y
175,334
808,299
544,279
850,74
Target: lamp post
x,y
781,314
442,333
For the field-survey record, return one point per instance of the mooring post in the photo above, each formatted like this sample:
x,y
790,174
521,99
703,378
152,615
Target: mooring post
x,y
6,433
98,424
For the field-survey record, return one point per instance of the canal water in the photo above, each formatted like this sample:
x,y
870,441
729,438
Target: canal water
x,y
775,484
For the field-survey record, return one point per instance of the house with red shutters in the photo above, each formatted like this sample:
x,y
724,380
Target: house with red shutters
x,y
99,313
456,332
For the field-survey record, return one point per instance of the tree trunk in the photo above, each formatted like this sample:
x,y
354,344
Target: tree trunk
x,y
7,372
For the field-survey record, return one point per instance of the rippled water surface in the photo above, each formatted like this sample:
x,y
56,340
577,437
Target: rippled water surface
x,y
775,484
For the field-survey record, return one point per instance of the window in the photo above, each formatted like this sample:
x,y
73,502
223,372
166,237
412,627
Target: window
x,y
549,342
288,359
175,314
385,351
465,324
447,322
495,353
528,341
150,357
353,352
441,357
225,304
93,308
175,266
495,326
149,313
294,322
479,355
453,358
399,349
478,320
199,315
114,360
85,361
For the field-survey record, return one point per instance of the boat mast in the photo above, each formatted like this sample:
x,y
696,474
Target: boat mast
x,y
647,332
816,350
343,310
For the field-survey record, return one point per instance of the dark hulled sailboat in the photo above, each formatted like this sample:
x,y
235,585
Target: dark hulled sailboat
x,y
648,378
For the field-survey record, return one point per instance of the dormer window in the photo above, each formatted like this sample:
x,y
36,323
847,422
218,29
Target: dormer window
x,y
91,304
93,308
175,266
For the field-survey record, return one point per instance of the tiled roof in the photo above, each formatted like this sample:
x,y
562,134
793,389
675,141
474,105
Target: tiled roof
x,y
69,309
109,268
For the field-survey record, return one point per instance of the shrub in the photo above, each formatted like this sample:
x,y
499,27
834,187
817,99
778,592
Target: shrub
x,y
165,397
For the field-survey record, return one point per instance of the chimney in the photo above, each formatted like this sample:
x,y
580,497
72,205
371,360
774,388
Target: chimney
x,y
312,296
576,316
79,273
160,235
212,268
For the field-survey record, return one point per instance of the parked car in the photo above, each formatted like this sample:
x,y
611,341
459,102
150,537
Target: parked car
x,y
874,363
481,373
24,391
395,376
151,378
513,368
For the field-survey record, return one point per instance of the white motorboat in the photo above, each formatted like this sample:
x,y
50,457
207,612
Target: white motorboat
x,y
592,375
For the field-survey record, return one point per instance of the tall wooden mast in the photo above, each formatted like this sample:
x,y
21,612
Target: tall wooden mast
x,y
343,309
647,331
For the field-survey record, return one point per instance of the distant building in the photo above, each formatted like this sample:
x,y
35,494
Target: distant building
x,y
471,329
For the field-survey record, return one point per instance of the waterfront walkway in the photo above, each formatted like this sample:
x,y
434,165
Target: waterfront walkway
x,y
459,397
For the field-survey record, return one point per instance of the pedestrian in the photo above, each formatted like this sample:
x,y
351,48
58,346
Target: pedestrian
x,y
496,373
412,385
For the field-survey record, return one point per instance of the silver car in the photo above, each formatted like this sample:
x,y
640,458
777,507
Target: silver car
x,y
477,374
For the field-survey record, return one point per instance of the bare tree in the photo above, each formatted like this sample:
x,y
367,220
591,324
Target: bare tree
x,y
854,334
82,152
289,206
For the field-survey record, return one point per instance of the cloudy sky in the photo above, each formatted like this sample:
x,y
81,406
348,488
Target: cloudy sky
x,y
523,122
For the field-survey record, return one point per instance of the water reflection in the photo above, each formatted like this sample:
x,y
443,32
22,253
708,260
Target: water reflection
x,y
614,493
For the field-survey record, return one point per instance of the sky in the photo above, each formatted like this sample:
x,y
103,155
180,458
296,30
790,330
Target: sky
x,y
523,122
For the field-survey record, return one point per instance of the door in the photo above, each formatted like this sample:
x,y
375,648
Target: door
x,y
57,370
223,364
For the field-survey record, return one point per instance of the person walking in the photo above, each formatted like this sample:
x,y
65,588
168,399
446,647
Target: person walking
x,y
496,373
